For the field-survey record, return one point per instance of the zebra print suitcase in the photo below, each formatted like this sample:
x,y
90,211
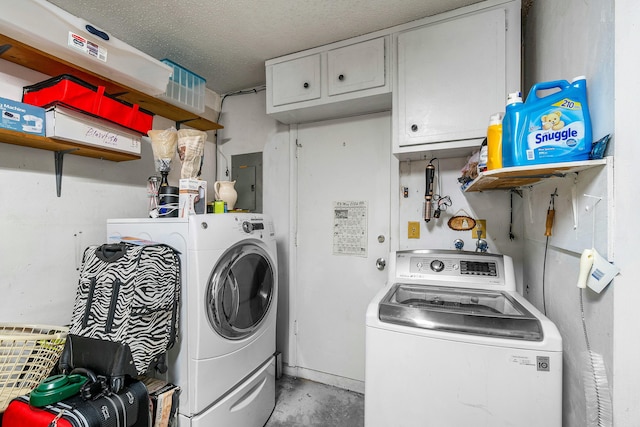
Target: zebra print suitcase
x,y
125,315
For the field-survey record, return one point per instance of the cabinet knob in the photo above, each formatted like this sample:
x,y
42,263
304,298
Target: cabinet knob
x,y
414,128
306,85
341,77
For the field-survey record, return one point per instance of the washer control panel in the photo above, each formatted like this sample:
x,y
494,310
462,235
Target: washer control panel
x,y
449,266
459,267
248,227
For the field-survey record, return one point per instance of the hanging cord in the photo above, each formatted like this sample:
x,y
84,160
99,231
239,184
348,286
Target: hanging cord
x,y
589,353
596,386
439,188
239,92
442,203
549,225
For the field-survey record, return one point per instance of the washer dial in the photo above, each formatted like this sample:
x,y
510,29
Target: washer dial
x,y
437,265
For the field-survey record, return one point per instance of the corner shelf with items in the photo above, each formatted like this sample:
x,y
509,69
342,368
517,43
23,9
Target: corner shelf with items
x,y
30,57
522,176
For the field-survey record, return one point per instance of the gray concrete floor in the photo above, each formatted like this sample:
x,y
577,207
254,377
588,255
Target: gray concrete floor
x,y
301,402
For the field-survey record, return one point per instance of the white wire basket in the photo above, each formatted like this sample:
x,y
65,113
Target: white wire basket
x,y
28,354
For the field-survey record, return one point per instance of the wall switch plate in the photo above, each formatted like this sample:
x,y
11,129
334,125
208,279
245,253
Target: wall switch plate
x,y
413,230
481,224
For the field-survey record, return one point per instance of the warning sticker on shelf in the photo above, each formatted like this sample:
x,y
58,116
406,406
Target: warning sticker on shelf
x,y
350,228
80,43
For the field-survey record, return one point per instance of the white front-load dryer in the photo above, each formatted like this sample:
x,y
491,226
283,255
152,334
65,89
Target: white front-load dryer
x,y
224,360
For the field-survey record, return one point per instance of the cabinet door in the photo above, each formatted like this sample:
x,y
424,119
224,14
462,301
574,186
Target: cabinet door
x,y
356,67
296,80
451,78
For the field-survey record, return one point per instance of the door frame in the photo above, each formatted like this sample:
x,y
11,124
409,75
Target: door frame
x,y
291,367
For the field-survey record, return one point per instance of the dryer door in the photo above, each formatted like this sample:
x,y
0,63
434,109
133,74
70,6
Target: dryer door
x,y
240,290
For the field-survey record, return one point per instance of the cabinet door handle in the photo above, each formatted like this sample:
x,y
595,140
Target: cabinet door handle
x,y
414,128
306,85
341,77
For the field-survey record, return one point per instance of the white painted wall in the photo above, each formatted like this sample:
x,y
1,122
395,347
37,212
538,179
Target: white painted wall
x,y
563,40
626,339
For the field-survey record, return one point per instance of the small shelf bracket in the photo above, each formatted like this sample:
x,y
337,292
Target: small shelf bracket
x,y
4,48
59,157
180,122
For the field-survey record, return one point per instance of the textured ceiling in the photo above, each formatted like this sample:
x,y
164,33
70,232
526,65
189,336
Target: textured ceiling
x,y
227,41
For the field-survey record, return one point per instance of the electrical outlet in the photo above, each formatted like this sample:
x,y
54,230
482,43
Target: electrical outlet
x,y
481,225
413,230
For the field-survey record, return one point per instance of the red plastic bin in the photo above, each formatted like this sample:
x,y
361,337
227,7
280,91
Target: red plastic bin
x,y
82,96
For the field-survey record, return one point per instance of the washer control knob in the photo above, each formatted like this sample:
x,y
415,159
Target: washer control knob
x,y
247,227
437,265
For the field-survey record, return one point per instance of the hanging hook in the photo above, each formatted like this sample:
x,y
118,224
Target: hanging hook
x,y
553,198
551,212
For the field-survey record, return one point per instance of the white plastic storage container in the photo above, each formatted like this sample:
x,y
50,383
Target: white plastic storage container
x,y
185,89
50,29
74,126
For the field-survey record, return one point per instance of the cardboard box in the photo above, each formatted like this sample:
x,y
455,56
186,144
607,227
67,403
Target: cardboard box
x,y
22,117
69,125
192,198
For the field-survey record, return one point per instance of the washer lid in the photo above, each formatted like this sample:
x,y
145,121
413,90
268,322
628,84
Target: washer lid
x,y
462,310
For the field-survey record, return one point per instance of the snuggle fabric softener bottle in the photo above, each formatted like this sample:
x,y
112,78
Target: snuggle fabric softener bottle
x,y
548,129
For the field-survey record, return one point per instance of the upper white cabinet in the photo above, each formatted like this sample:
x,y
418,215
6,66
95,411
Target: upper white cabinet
x,y
342,79
296,80
443,76
356,67
452,75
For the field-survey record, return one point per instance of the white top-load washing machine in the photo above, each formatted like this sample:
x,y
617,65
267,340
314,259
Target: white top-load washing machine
x,y
224,358
450,343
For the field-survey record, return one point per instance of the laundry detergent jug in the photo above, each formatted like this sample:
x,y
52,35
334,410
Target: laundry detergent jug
x,y
548,129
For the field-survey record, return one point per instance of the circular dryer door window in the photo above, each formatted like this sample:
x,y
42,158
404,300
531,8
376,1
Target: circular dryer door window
x,y
240,290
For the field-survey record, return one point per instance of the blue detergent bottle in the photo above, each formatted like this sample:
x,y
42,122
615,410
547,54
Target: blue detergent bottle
x,y
553,128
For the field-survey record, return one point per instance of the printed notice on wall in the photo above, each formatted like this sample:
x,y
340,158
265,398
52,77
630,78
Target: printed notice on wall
x,y
350,228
